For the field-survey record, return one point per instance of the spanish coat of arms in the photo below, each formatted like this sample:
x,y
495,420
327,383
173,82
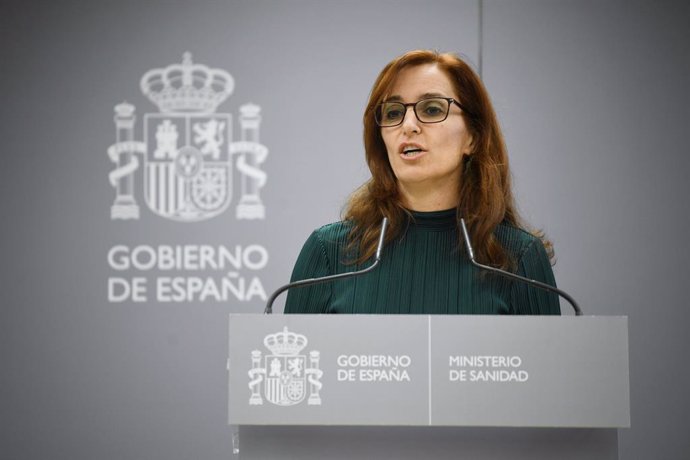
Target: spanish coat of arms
x,y
287,375
188,148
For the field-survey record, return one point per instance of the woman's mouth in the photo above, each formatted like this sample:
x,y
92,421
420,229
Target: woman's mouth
x,y
411,150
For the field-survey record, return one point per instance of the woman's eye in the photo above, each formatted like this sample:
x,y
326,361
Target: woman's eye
x,y
392,114
433,109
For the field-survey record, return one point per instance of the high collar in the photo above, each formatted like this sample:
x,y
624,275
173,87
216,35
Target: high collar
x,y
439,220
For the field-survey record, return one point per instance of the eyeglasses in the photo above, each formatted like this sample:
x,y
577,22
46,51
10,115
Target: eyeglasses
x,y
432,110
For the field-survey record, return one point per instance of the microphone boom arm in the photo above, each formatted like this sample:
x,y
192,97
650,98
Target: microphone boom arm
x,y
531,282
325,279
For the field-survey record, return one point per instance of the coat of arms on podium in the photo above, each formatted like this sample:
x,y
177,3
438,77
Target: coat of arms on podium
x,y
188,148
287,376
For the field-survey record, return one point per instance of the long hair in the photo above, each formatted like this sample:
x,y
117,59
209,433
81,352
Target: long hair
x,y
485,197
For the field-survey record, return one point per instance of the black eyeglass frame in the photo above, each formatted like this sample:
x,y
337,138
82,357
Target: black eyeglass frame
x,y
379,106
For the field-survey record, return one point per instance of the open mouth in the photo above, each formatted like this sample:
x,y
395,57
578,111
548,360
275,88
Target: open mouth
x,y
411,151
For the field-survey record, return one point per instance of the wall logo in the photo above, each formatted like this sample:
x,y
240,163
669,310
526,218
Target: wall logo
x,y
285,375
188,150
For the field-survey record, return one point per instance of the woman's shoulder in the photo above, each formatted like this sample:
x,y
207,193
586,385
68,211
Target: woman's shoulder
x,y
335,231
331,236
327,243
517,241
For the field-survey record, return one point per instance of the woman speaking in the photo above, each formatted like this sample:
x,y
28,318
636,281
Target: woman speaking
x,y
436,155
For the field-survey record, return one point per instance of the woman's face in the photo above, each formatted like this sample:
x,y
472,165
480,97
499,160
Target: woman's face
x,y
435,150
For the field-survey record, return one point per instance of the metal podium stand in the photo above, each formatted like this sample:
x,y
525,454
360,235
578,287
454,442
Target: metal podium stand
x,y
437,387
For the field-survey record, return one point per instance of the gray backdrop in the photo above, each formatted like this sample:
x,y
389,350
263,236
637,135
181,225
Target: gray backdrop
x,y
593,100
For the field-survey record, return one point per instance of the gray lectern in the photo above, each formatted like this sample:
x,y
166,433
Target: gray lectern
x,y
437,387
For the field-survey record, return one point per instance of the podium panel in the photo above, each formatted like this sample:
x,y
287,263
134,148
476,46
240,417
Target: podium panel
x,y
417,370
415,386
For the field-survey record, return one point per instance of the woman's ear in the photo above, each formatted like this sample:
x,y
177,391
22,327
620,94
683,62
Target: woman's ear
x,y
469,147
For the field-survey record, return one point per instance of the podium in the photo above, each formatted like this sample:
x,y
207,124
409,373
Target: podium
x,y
418,386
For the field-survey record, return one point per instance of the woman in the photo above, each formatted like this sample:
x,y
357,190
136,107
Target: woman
x,y
436,153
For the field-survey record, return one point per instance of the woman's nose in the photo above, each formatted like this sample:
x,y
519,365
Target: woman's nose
x,y
410,122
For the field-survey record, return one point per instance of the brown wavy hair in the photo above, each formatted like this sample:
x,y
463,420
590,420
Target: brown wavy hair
x,y
485,197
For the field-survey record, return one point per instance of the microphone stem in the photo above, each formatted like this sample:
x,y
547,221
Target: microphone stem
x,y
535,283
311,281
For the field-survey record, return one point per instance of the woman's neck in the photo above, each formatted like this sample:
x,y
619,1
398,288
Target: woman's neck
x,y
428,199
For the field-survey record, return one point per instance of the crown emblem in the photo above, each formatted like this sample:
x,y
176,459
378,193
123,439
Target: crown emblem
x,y
187,87
285,343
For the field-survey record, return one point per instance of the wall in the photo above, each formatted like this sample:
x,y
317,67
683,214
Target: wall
x,y
593,100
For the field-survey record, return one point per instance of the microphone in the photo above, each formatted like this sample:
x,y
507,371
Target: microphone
x,y
325,279
506,274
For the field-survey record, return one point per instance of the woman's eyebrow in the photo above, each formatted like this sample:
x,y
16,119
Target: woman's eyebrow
x,y
428,95
394,98
397,98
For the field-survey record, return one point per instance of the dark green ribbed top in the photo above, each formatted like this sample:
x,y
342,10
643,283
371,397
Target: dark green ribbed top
x,y
422,272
